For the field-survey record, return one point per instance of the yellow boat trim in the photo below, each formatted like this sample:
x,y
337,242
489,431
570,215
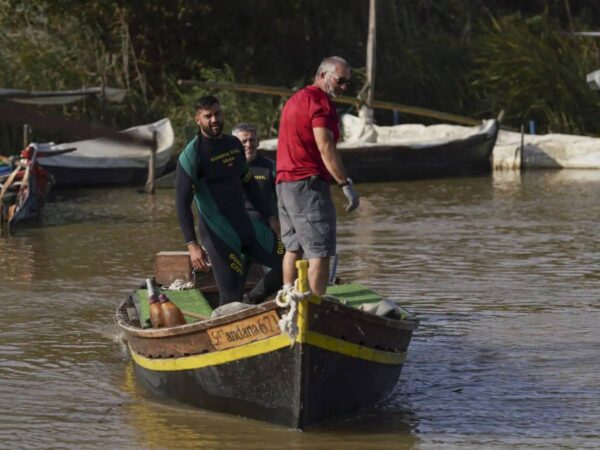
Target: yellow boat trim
x,y
213,358
354,350
266,346
275,343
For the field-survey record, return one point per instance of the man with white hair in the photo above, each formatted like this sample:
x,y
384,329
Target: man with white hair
x,y
307,161
262,168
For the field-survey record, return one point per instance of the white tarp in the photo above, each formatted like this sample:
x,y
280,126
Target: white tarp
x,y
105,153
355,133
546,151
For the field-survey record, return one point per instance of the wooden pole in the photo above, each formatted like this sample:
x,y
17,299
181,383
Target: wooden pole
x,y
26,135
366,110
371,43
377,104
194,315
149,189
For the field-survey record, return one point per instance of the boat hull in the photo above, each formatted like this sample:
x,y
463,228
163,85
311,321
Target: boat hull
x,y
102,162
470,157
341,360
295,388
98,176
452,157
239,387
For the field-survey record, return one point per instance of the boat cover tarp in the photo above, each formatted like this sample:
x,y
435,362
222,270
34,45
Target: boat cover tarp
x,y
545,151
356,133
105,153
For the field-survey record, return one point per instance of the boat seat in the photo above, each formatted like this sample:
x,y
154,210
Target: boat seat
x,y
190,300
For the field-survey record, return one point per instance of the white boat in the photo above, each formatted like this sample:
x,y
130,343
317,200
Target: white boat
x,y
101,162
377,153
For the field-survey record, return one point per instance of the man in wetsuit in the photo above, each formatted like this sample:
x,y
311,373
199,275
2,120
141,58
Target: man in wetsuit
x,y
212,170
262,167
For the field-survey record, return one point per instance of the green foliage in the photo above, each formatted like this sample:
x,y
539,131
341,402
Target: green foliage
x,y
535,71
470,58
261,110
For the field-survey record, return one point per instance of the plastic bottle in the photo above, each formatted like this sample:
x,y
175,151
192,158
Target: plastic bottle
x,y
156,314
170,312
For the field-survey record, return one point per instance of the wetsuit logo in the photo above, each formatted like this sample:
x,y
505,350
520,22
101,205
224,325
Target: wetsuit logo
x,y
280,247
236,264
227,158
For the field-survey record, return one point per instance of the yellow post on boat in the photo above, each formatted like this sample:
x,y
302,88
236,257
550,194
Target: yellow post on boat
x,y
303,288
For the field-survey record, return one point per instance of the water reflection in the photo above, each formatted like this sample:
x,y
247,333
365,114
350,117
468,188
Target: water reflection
x,y
503,271
161,423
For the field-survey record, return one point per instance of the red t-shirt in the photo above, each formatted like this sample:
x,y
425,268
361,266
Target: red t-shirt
x,y
298,156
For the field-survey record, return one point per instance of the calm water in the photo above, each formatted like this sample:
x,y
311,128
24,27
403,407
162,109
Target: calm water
x,y
504,272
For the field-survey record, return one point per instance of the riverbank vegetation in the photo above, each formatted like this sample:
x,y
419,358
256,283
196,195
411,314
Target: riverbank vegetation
x,y
468,58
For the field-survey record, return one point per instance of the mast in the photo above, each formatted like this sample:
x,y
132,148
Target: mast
x,y
366,111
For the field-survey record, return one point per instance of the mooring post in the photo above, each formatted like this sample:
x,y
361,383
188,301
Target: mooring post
x,y
26,135
149,189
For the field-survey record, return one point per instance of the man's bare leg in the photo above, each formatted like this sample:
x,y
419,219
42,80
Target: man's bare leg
x,y
318,274
289,266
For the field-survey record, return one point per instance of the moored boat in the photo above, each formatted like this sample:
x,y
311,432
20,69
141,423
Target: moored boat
x,y
102,162
331,359
24,185
411,151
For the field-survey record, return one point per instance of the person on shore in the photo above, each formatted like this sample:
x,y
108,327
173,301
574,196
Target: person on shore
x,y
307,161
262,167
212,170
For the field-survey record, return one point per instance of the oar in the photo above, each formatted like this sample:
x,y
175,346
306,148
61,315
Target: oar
x,y
194,315
22,114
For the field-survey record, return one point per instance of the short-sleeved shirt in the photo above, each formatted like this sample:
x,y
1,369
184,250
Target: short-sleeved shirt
x,y
298,156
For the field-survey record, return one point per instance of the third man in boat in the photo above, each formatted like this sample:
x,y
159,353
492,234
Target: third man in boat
x,y
263,168
307,161
212,170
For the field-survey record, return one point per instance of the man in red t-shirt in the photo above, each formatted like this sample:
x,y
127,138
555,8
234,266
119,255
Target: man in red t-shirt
x,y
307,161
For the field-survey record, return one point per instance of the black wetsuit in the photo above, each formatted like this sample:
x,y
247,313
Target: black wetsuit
x,y
214,173
263,169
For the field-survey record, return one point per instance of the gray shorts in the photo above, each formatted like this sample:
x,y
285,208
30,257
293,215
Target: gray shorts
x,y
307,217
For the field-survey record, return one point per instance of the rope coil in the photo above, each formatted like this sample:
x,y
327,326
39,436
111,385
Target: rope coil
x,y
290,296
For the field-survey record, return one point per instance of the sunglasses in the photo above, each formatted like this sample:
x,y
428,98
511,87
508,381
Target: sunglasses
x,y
340,80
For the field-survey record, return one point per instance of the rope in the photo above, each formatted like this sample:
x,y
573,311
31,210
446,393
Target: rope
x,y
290,296
180,285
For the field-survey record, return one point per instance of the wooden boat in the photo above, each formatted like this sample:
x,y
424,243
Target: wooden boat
x,y
102,162
24,185
413,154
340,360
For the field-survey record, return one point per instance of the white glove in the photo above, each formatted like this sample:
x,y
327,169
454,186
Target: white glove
x,y
351,195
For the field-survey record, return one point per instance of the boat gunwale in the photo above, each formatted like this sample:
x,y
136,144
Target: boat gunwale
x,y
410,323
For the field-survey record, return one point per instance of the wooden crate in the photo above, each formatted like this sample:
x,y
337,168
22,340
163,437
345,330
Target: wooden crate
x,y
171,266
